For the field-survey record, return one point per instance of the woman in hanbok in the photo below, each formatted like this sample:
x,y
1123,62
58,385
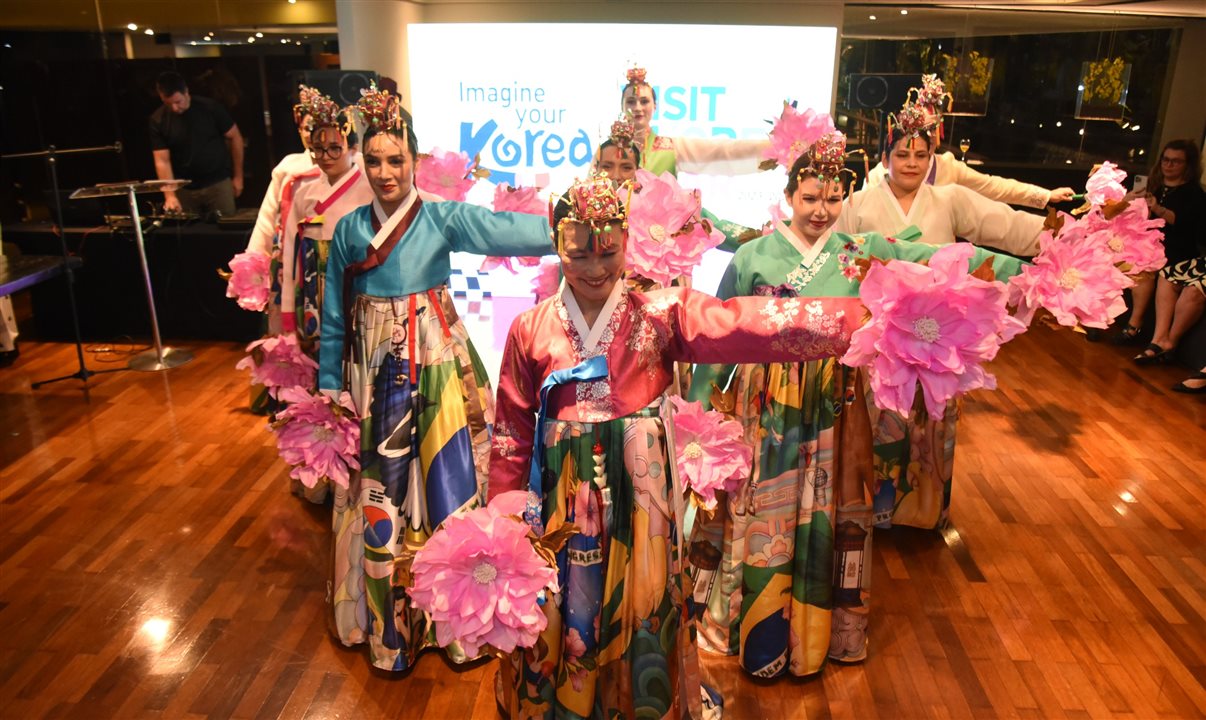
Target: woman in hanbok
x,y
316,207
784,564
265,238
392,339
582,425
702,156
915,457
945,169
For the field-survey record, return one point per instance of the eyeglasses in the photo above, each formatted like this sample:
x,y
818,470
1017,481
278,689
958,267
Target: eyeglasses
x,y
332,152
1172,160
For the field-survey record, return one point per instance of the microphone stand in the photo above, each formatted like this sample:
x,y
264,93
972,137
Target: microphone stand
x,y
51,154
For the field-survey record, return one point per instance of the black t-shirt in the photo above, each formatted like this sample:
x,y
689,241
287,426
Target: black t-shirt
x,y
196,139
1185,239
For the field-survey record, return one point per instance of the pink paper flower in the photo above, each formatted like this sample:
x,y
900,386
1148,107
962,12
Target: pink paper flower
x,y
482,582
1105,185
931,325
665,236
1137,244
250,280
519,199
522,200
547,281
318,437
776,215
1074,278
710,451
794,132
278,362
446,174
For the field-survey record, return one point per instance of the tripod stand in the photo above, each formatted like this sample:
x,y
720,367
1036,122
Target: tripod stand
x,y
51,154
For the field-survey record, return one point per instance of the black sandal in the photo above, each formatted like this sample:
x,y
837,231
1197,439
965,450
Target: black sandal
x,y
1128,336
1181,387
1153,354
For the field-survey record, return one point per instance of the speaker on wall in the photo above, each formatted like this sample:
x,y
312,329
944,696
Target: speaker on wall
x,y
342,86
880,91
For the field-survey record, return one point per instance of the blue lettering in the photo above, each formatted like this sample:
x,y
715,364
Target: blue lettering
x,y
580,150
724,132
530,137
551,152
507,153
676,109
712,93
473,142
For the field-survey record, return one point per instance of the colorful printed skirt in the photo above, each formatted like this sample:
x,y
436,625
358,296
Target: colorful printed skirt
x,y
914,463
783,566
424,453
619,642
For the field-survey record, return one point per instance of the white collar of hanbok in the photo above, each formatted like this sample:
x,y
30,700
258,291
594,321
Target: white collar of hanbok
x,y
389,222
331,187
808,254
894,203
591,335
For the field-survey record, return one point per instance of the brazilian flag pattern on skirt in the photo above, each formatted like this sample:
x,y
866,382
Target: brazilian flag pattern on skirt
x,y
424,451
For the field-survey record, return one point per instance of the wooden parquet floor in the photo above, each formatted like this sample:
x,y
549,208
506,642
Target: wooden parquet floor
x,y
154,565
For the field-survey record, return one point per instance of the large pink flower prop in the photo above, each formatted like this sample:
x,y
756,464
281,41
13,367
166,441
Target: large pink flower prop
x,y
481,581
794,132
1136,243
666,238
521,200
446,174
776,215
709,450
547,280
250,280
317,436
1072,277
278,362
1105,185
932,325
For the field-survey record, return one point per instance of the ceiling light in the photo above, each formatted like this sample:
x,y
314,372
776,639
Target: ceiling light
x,y
250,39
148,31
297,42
1081,132
292,2
1067,162
1142,152
1059,123
1135,128
904,12
131,27
1010,121
1040,126
871,17
259,34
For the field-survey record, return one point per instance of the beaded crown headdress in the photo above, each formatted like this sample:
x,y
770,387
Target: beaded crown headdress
x,y
923,108
380,110
623,133
315,110
826,159
596,202
636,76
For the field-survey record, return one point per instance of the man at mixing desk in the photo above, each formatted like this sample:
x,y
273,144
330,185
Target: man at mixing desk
x,y
195,138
